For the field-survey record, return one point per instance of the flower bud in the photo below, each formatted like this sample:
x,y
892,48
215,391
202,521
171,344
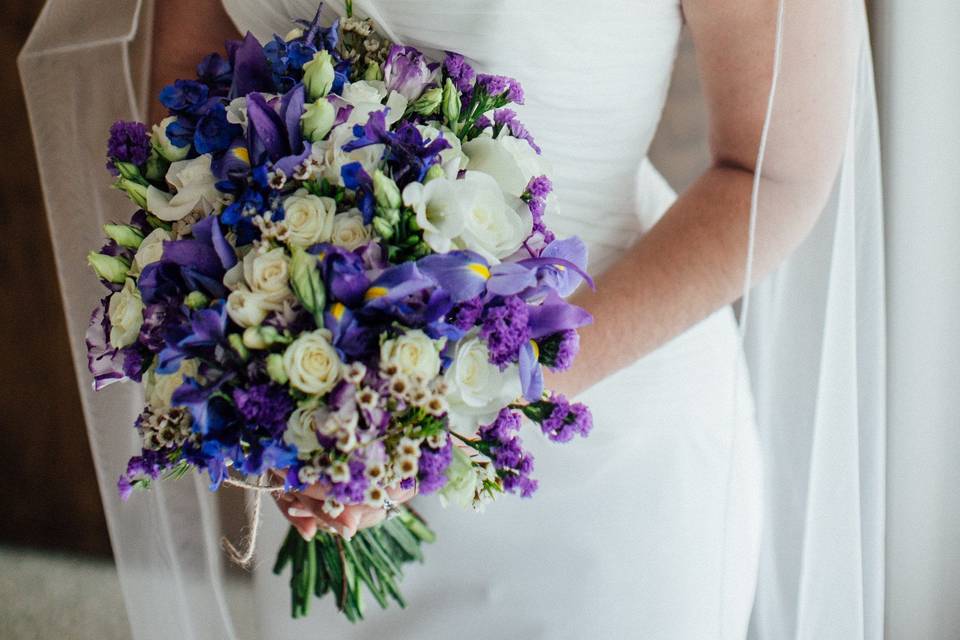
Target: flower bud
x,y
386,191
383,228
293,34
196,300
108,268
157,167
435,171
128,171
263,337
318,75
134,190
317,120
124,235
373,72
306,283
451,103
428,103
236,342
275,368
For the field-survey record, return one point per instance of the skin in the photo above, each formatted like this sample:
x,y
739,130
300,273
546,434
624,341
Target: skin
x,y
692,262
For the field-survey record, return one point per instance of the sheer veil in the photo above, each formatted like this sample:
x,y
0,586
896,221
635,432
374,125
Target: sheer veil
x,y
813,329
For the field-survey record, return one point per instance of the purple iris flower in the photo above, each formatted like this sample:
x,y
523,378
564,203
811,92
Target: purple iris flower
x,y
196,264
394,285
344,274
556,314
350,338
251,71
200,338
407,155
275,136
531,373
562,265
462,274
358,180
407,72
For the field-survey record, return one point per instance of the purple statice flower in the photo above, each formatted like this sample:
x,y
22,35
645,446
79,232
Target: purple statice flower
x,y
457,69
501,86
144,467
467,314
563,420
540,187
482,123
265,406
505,329
500,440
508,118
406,71
535,196
559,350
433,466
128,142
503,117
352,491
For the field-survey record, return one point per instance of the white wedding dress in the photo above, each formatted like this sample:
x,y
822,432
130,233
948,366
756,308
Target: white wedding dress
x,y
649,528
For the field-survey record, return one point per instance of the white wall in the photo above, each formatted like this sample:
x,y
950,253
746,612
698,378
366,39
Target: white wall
x,y
917,46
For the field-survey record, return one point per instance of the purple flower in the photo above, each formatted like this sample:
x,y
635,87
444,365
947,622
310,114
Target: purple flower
x,y
142,468
406,71
507,118
351,491
433,467
501,442
505,329
540,187
497,86
557,351
467,314
128,142
559,419
185,96
266,406
459,71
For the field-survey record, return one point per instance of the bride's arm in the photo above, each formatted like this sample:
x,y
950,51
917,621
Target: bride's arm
x,y
692,261
183,32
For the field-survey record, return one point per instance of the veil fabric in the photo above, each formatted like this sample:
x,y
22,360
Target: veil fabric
x,y
813,327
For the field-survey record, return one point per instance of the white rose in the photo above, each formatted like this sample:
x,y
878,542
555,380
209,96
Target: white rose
x,y
367,96
167,149
312,363
331,156
150,250
452,160
159,388
510,161
126,315
414,353
440,209
491,227
249,308
308,218
349,231
477,388
195,187
302,431
268,274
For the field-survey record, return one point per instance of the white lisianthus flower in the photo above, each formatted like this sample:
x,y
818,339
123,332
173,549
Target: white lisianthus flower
x,y
510,161
312,364
302,430
162,144
308,218
195,187
367,96
330,154
440,209
452,160
249,308
268,274
476,388
349,231
462,481
150,250
237,112
126,315
159,388
491,227
414,353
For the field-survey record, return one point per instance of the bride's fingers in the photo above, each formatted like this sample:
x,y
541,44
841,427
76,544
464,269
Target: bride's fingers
x,y
400,496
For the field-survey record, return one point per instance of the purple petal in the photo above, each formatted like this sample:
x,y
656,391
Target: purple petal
x,y
266,135
462,274
291,108
556,314
251,71
531,374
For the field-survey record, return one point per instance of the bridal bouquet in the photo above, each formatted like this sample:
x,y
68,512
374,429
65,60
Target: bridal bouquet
x,y
339,275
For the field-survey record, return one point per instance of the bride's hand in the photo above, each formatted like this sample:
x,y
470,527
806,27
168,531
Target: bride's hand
x,y
303,509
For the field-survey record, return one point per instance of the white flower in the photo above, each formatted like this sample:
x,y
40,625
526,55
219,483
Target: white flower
x,y
150,250
301,432
452,160
510,161
249,308
367,96
414,353
331,156
159,388
478,389
126,315
162,143
492,227
195,188
312,363
462,481
268,274
349,231
308,218
440,209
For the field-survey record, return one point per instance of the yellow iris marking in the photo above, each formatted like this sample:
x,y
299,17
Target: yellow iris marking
x,y
241,153
479,269
375,292
337,311
559,267
536,349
